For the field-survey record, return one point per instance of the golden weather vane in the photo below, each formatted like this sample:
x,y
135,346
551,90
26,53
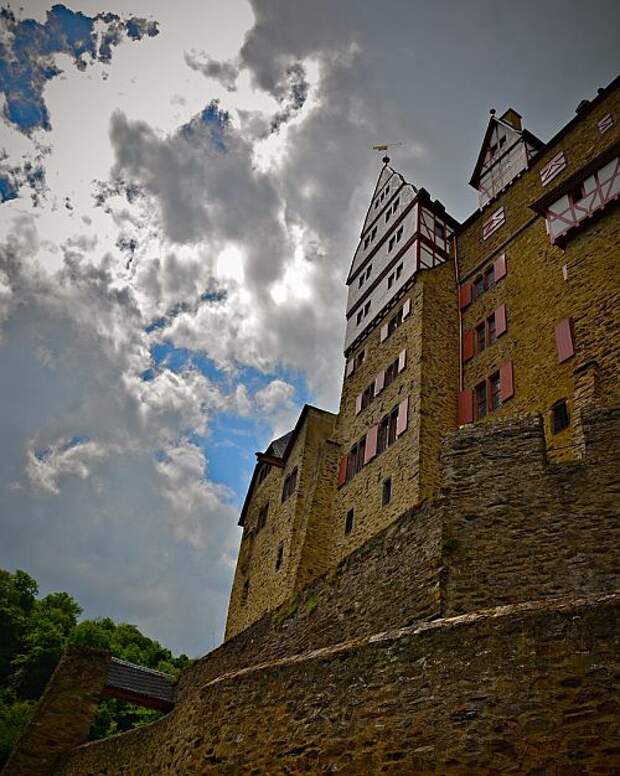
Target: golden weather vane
x,y
384,147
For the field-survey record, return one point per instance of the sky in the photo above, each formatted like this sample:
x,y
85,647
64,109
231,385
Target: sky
x,y
182,187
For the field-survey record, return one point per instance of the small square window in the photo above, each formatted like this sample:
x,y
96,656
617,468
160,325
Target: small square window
x,y
481,400
386,491
559,416
348,523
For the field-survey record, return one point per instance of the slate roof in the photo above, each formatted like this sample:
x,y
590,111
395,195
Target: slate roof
x,y
140,681
279,445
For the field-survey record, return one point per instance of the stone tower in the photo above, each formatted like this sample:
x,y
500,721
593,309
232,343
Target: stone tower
x,y
334,481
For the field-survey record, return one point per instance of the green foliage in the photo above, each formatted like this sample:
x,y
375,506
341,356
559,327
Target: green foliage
x,y
33,634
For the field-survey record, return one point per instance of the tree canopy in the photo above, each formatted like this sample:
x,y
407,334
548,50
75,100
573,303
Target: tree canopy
x,y
33,633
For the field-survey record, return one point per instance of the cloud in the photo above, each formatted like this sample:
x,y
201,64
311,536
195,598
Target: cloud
x,y
225,73
28,49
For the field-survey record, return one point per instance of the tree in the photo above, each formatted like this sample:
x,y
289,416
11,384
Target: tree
x,y
33,634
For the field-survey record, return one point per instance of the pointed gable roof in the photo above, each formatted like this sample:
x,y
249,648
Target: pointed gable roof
x,y
386,175
510,121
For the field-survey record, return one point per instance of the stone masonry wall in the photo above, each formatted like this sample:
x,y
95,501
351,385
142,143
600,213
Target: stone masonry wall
x,y
61,719
539,293
522,689
509,527
516,527
286,525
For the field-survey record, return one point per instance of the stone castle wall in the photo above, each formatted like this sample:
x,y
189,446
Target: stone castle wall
x,y
519,685
521,689
286,524
509,527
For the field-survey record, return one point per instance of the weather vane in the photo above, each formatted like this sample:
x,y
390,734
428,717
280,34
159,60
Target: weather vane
x,y
384,147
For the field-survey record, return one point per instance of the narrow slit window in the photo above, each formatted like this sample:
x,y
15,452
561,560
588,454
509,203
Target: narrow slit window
x,y
279,556
481,400
386,491
495,384
480,338
348,523
559,416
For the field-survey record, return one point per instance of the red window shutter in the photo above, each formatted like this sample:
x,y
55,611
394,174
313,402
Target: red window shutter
x,y
406,308
564,340
358,403
466,407
401,421
501,325
402,360
384,332
465,295
371,444
507,388
499,267
468,344
342,471
350,367
379,382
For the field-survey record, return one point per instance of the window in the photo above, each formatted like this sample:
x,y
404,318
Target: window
x,y
360,315
366,241
290,483
245,592
399,271
392,427
391,373
386,491
368,395
478,286
481,400
489,279
391,280
440,230
348,523
382,435
279,556
359,358
355,459
493,149
263,471
388,214
395,322
491,336
396,204
559,416
361,281
262,517
480,338
366,308
373,234
495,385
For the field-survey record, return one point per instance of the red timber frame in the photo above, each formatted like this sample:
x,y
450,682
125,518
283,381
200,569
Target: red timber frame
x,y
577,211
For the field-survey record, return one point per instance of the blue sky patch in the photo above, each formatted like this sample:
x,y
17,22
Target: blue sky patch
x,y
26,62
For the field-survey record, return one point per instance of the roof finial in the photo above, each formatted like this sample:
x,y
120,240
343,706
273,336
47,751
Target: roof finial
x,y
384,147
492,111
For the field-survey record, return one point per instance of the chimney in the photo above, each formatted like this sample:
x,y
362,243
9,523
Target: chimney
x,y
513,118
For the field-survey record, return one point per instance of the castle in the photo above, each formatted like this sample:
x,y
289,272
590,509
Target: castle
x,y
429,581
447,324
